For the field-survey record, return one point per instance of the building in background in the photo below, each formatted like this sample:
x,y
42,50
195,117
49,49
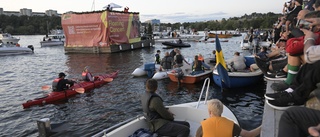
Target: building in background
x,y
28,12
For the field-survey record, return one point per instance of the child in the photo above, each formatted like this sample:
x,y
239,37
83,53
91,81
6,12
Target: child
x,y
157,59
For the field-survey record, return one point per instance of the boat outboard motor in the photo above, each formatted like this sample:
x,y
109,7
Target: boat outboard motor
x,y
31,47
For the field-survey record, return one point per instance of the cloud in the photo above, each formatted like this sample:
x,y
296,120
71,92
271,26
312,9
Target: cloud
x,y
183,17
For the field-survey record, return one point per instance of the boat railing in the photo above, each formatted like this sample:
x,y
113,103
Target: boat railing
x,y
104,132
205,83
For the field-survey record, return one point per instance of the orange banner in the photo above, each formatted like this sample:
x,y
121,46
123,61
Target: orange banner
x,y
100,29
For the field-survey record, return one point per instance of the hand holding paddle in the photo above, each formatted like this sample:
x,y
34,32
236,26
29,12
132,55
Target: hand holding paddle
x,y
78,90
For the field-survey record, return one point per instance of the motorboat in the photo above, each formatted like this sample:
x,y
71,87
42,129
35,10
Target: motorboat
x,y
192,112
184,37
8,49
7,38
55,38
49,43
175,44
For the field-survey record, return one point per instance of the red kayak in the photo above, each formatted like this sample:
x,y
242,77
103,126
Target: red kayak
x,y
55,97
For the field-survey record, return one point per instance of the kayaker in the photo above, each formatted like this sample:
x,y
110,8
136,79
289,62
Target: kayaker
x,y
160,119
86,75
60,84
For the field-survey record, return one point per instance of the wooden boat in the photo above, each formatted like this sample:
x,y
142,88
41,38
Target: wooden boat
x,y
213,35
190,79
173,44
193,112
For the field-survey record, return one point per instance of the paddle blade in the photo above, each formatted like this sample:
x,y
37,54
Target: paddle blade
x,y
46,87
80,90
108,79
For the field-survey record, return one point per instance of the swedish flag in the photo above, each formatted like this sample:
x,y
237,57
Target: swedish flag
x,y
221,64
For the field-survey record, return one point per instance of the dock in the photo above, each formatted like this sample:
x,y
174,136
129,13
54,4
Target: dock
x,y
271,117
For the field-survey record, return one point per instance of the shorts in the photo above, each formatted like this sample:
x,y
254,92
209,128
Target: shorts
x,y
254,66
279,64
312,54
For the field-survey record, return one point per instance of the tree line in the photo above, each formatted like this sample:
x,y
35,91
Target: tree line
x,y
40,25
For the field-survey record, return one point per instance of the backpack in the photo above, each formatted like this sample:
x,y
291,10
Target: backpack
x,y
142,132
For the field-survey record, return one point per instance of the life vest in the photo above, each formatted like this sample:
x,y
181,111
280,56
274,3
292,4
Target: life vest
x,y
55,84
179,59
217,127
157,58
149,115
200,58
172,53
198,67
167,63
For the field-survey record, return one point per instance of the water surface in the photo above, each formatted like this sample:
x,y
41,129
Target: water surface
x,y
22,76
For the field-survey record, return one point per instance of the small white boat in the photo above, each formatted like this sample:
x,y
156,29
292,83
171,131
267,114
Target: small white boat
x,y
138,72
49,43
193,112
14,50
56,38
6,38
265,43
245,45
161,74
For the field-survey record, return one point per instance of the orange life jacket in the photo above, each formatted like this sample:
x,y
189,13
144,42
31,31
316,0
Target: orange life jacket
x,y
200,58
217,127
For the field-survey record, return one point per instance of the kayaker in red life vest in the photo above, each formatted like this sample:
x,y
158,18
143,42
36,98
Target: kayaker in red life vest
x,y
86,75
61,84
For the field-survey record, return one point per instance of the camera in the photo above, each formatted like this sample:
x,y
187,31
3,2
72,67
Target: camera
x,y
303,24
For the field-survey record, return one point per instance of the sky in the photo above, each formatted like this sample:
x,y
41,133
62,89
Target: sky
x,y
167,11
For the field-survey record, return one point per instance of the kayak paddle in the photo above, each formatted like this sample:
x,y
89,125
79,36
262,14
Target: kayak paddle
x,y
108,79
78,90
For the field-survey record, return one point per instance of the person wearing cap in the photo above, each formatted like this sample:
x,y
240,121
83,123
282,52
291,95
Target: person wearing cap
x,y
60,84
86,75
